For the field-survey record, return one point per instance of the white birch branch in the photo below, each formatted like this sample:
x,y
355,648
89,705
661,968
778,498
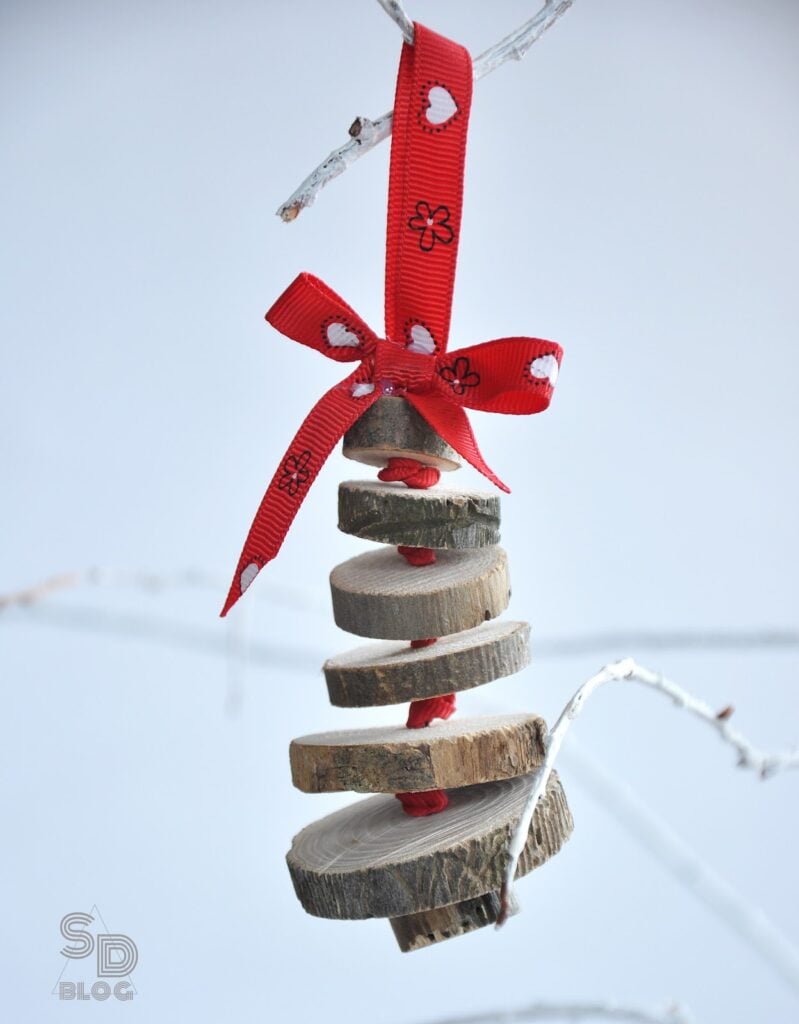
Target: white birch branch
x,y
765,765
617,797
366,134
396,12
577,1012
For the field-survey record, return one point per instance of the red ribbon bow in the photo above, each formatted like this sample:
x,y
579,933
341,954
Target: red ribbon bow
x,y
510,375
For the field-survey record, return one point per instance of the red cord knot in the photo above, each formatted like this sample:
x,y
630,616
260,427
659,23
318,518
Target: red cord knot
x,y
411,472
417,556
418,805
422,712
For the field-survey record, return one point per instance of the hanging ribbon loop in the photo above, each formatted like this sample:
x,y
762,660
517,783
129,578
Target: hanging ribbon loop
x,y
510,375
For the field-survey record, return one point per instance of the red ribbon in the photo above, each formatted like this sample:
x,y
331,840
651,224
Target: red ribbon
x,y
510,375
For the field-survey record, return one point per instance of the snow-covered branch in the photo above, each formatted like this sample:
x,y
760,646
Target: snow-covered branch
x,y
765,765
365,133
577,1012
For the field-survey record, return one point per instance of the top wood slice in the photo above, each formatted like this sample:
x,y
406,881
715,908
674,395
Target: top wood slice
x,y
433,518
372,860
380,595
392,428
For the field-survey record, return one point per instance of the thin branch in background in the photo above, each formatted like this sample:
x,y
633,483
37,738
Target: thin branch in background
x,y
616,797
749,922
765,765
39,591
315,600
168,632
577,1012
366,134
238,637
285,595
666,640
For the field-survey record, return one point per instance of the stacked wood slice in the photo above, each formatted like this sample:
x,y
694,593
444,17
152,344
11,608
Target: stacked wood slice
x,y
437,876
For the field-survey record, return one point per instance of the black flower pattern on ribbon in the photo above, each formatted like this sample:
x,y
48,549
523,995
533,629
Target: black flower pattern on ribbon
x,y
432,225
459,376
295,472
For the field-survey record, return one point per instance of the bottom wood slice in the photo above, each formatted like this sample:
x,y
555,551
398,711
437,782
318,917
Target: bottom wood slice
x,y
415,931
394,759
372,860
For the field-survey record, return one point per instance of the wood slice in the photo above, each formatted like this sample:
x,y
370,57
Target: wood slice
x,y
433,518
379,595
415,931
372,860
392,428
394,759
394,673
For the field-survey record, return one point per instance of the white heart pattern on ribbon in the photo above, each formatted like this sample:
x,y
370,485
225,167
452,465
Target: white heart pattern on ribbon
x,y
421,340
340,337
440,105
248,574
362,390
545,367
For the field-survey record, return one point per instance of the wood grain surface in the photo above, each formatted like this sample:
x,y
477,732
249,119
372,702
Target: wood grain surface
x,y
372,860
415,931
392,428
394,759
434,518
379,595
391,672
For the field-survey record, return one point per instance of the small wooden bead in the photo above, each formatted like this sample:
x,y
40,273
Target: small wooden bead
x,y
372,860
379,595
392,428
415,931
394,673
433,518
394,759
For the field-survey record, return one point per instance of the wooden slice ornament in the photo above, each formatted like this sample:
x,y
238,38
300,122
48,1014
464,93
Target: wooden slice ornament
x,y
393,673
371,860
379,595
392,428
392,759
435,518
429,850
415,931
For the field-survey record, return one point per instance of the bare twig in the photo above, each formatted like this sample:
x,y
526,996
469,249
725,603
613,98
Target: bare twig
x,y
168,632
512,47
577,1012
315,599
765,765
667,640
286,595
39,591
747,920
396,12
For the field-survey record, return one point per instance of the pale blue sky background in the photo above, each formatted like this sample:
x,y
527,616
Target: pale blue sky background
x,y
631,193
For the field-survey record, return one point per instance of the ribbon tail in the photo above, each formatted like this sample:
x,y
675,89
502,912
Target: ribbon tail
x,y
327,422
450,422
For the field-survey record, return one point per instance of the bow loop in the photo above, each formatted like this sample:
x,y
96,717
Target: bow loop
x,y
311,313
510,375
